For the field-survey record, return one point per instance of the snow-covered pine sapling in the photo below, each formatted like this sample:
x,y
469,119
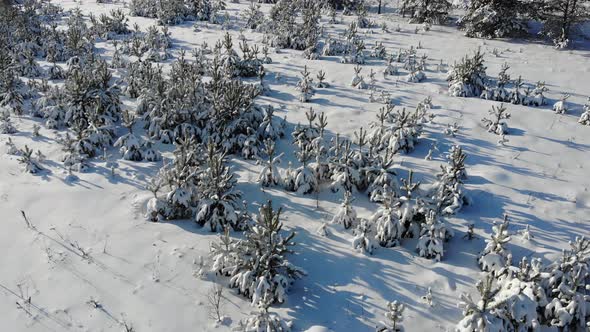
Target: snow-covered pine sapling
x,y
360,157
250,148
405,129
39,156
391,68
320,166
6,126
448,195
129,144
149,153
263,88
321,76
422,65
345,173
495,124
264,321
394,315
36,128
495,256
305,179
363,240
389,227
224,254
381,174
411,207
305,86
304,135
372,80
266,55
379,51
253,16
415,76
219,201
516,96
432,237
155,206
422,109
11,148
500,93
480,316
11,95
346,215
567,288
262,272
561,106
452,129
488,93
538,98
30,164
271,127
289,178
468,78
585,117
269,175
385,97
358,81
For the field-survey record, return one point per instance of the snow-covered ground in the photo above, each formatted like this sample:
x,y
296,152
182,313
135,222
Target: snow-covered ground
x,y
144,273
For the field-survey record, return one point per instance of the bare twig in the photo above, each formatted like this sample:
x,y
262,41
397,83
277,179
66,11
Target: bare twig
x,y
215,300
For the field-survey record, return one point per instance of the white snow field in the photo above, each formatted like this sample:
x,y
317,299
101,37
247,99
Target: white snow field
x,y
92,262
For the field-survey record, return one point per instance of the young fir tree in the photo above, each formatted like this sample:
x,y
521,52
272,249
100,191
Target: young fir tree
x,y
481,315
29,162
346,215
219,201
496,256
394,315
269,175
264,321
6,125
403,132
305,86
182,181
306,181
389,228
494,18
381,174
468,78
561,106
129,143
271,126
411,207
567,288
585,117
495,124
448,190
426,11
363,239
262,272
433,235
